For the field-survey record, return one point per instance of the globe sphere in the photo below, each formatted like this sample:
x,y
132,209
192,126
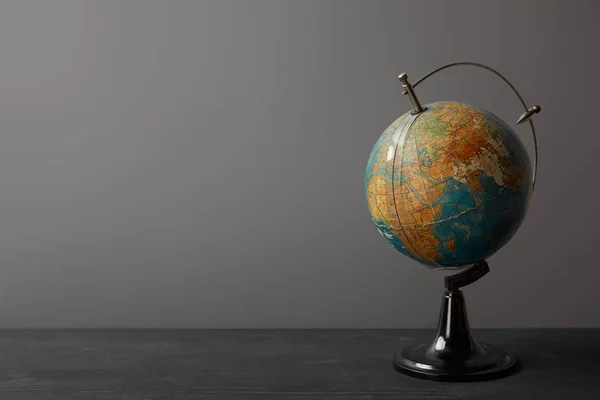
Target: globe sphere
x,y
449,186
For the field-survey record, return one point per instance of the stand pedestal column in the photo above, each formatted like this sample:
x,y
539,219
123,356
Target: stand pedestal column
x,y
454,355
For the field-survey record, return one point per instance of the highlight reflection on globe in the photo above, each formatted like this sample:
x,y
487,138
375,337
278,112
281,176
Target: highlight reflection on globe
x,y
448,186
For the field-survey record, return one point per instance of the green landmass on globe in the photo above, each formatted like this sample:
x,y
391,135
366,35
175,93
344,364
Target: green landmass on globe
x,y
449,186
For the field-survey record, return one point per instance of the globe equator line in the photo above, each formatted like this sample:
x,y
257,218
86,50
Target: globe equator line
x,y
464,211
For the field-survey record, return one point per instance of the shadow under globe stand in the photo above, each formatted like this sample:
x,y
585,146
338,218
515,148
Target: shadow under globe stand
x,y
453,354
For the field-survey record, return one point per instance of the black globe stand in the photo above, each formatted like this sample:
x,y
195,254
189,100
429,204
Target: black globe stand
x,y
454,355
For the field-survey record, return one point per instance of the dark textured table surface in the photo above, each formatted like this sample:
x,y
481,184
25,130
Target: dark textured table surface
x,y
278,364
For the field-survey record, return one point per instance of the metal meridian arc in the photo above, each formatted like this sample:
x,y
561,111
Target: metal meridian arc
x,y
527,110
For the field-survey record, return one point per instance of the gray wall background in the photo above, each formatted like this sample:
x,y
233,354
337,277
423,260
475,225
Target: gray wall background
x,y
200,164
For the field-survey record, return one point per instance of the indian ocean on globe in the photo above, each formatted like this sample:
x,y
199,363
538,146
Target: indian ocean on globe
x,y
448,186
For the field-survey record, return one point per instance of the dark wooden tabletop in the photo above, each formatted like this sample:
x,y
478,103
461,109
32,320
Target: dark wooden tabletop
x,y
278,364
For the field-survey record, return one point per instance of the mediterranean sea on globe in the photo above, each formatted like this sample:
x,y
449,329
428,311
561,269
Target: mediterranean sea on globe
x,y
449,186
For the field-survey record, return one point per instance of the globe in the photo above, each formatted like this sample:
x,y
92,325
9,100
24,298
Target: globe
x,y
449,186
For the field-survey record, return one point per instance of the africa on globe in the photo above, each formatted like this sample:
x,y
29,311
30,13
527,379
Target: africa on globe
x,y
448,186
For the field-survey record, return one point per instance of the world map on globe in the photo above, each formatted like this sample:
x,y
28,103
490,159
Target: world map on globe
x,y
449,186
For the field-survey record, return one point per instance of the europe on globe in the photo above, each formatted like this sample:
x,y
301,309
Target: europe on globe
x,y
448,186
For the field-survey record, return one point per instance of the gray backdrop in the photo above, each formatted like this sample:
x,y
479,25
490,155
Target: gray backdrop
x,y
200,164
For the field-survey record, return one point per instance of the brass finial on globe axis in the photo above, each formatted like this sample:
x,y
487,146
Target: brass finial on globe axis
x,y
408,90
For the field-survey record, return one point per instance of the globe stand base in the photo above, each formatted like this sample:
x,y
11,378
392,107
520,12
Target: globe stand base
x,y
454,355
489,363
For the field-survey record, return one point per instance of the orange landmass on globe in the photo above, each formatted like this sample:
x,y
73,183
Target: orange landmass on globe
x,y
450,243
